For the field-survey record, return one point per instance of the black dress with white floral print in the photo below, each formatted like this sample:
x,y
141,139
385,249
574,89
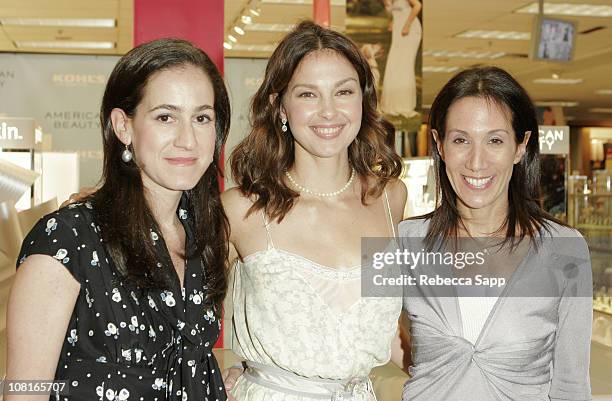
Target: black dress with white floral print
x,y
129,344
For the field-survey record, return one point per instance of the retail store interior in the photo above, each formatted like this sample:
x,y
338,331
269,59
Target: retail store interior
x,y
49,151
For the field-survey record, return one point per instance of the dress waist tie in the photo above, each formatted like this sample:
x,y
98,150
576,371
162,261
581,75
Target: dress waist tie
x,y
357,388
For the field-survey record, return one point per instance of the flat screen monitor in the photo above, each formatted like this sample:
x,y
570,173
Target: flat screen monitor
x,y
553,39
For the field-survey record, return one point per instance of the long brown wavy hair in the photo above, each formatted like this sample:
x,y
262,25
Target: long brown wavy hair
x,y
120,206
258,163
525,216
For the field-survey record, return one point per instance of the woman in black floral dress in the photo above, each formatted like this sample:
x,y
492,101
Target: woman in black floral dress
x,y
120,295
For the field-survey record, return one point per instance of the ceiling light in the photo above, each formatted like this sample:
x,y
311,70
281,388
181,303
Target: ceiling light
x,y
227,45
63,22
560,103
576,10
558,81
461,54
431,68
232,38
239,30
504,35
601,110
64,44
254,12
246,19
604,92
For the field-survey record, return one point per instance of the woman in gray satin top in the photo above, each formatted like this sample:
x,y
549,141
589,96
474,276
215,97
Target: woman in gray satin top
x,y
530,339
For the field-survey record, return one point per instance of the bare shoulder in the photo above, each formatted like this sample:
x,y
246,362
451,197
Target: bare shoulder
x,y
415,3
243,225
43,286
236,206
235,202
41,269
397,192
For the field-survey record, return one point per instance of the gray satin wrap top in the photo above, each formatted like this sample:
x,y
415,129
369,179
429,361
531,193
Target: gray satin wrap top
x,y
531,347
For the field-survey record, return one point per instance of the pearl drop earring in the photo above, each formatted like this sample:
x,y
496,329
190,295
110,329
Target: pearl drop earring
x,y
126,155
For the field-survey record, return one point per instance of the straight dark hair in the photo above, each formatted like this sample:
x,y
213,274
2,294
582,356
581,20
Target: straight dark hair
x,y
525,217
120,205
260,160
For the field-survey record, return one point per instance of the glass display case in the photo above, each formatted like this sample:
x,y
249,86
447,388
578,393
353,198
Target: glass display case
x,y
590,211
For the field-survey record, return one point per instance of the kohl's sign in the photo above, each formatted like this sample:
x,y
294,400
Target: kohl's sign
x,y
17,133
554,140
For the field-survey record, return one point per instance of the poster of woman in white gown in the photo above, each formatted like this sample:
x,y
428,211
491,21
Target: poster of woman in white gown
x,y
399,93
389,33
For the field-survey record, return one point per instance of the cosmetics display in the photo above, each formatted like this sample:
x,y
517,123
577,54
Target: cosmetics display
x,y
590,211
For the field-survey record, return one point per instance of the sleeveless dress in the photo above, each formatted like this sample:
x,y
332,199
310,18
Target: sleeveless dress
x,y
399,94
304,329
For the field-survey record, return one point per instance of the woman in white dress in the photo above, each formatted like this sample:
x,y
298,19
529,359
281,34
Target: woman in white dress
x,y
399,94
314,176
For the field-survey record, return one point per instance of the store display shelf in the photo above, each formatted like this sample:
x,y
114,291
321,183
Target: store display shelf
x,y
593,227
603,309
592,195
599,248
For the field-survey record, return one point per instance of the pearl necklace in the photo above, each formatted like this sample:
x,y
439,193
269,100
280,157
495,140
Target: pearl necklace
x,y
322,194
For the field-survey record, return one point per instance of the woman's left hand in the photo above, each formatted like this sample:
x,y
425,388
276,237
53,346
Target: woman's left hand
x,y
230,376
83,193
406,29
